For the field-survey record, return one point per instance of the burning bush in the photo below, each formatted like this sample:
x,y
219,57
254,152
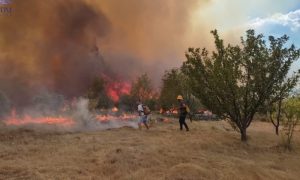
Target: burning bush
x,y
77,118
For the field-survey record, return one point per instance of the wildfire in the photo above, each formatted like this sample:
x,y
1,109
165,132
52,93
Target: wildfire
x,y
124,117
174,111
114,109
14,120
161,111
69,118
116,89
18,121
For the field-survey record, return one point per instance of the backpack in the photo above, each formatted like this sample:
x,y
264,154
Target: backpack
x,y
187,109
146,109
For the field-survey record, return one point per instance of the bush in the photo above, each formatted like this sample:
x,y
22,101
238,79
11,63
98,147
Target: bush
x,y
291,111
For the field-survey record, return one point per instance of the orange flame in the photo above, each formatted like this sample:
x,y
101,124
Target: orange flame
x,y
114,109
17,121
161,111
175,112
116,89
124,117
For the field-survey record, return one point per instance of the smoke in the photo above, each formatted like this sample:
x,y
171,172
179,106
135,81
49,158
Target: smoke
x,y
149,36
50,45
62,45
86,121
4,105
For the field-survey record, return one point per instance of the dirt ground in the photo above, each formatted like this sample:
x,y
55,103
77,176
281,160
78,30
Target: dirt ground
x,y
211,150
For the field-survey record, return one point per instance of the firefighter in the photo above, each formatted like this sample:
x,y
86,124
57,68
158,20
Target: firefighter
x,y
183,111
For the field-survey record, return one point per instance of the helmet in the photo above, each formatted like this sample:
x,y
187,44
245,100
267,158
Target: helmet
x,y
179,97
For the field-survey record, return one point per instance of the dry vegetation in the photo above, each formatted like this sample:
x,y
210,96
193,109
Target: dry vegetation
x,y
211,150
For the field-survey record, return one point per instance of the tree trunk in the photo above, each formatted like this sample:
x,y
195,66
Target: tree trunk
x,y
243,134
277,130
278,116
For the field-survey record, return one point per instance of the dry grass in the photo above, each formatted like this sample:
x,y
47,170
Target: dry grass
x,y
211,150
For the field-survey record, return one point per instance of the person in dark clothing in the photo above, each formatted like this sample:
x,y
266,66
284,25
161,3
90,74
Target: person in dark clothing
x,y
182,110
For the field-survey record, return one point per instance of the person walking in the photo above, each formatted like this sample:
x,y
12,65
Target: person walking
x,y
183,111
142,116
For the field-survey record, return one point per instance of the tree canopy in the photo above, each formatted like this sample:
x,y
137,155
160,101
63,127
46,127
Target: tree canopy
x,y
97,95
175,83
235,81
141,89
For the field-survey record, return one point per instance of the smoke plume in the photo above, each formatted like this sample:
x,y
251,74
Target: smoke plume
x,y
62,45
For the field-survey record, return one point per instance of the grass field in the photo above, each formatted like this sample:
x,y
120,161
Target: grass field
x,y
211,150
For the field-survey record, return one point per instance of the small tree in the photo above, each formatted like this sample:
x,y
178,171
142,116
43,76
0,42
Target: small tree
x,y
142,88
97,95
281,91
291,111
275,114
171,87
235,81
175,83
127,103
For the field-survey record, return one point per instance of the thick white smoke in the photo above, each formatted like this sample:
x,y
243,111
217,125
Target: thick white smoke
x,y
86,121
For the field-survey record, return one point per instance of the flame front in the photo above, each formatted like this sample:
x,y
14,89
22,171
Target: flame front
x,y
64,121
115,109
174,111
124,117
27,119
116,89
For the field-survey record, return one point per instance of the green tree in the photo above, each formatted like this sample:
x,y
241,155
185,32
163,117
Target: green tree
x,y
127,103
175,83
281,92
291,111
236,81
142,89
97,95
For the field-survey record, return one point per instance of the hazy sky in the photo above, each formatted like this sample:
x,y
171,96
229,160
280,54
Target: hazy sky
x,y
159,32
270,17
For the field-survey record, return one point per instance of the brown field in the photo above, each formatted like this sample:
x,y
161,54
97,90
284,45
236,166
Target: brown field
x,y
211,150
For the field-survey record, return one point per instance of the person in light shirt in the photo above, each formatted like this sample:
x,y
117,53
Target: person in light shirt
x,y
142,116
